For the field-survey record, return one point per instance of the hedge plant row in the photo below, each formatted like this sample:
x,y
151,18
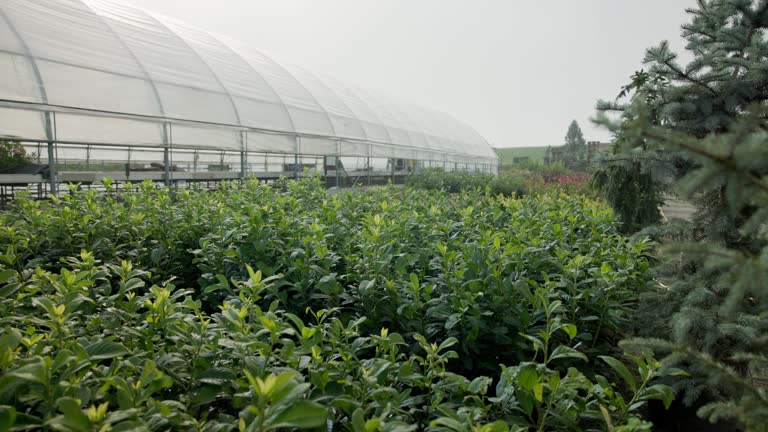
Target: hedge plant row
x,y
251,308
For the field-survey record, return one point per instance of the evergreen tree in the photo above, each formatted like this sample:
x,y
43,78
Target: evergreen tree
x,y
575,149
727,75
713,309
702,130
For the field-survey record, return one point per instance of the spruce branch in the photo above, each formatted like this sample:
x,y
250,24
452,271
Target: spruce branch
x,y
725,161
683,76
742,52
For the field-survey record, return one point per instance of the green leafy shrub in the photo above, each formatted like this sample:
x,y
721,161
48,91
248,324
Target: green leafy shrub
x,y
96,346
450,181
415,261
389,308
509,185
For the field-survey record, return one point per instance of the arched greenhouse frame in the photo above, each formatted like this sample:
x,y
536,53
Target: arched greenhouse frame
x,y
94,88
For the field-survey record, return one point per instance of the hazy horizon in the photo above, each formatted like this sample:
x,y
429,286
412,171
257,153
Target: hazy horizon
x,y
517,72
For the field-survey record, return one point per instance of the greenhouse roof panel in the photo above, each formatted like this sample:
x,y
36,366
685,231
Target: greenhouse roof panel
x,y
92,59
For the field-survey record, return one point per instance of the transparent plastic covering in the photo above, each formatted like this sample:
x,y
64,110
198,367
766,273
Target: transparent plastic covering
x,y
106,72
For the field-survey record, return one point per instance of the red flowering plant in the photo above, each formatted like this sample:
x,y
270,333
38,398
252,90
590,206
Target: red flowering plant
x,y
570,183
12,154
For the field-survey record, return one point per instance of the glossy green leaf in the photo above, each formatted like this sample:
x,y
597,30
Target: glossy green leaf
x,y
103,350
300,415
73,417
7,417
563,352
570,329
527,378
622,370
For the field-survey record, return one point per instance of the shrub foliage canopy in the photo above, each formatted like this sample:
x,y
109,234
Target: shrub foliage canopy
x,y
254,309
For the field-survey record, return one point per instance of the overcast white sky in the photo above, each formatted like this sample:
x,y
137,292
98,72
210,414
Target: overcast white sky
x,y
518,71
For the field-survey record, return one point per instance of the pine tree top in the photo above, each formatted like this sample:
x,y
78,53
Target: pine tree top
x,y
575,137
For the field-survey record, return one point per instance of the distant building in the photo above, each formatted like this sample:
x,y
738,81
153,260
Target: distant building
x,y
516,155
555,154
545,155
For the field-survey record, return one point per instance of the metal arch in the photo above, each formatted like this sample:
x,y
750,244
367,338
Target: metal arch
x,y
362,101
237,54
202,61
151,82
393,106
331,91
50,124
465,126
372,96
328,117
49,133
28,54
279,96
431,114
167,137
415,109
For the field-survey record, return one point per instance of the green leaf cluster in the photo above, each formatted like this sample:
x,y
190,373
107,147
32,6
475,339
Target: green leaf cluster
x,y
261,309
506,183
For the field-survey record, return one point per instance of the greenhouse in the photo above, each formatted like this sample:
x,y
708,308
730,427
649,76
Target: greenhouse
x,y
93,86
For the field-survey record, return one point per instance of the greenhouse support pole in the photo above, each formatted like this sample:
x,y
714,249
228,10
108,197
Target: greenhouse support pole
x,y
337,162
127,170
243,153
296,158
50,132
394,162
166,154
166,166
368,163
